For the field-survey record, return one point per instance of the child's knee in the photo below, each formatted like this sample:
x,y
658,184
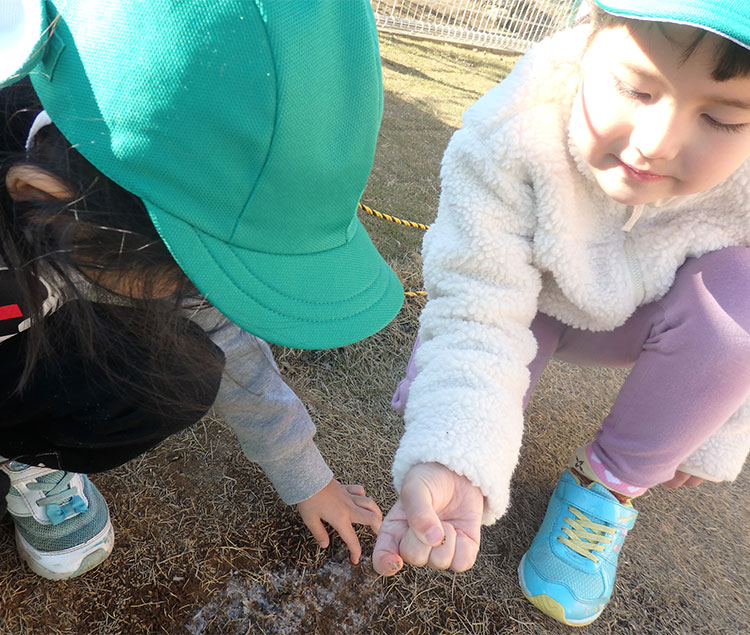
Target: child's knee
x,y
713,293
723,332
725,276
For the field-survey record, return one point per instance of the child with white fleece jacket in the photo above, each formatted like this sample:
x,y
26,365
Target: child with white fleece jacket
x,y
594,208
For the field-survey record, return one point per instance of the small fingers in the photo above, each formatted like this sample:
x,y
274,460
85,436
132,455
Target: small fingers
x,y
365,502
694,481
357,490
318,531
683,478
348,535
387,564
677,480
466,553
367,512
363,516
441,557
385,556
418,501
413,550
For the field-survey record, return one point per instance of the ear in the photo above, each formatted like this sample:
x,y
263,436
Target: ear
x,y
30,183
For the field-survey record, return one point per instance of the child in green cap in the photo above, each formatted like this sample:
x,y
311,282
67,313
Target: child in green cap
x,y
595,207
178,185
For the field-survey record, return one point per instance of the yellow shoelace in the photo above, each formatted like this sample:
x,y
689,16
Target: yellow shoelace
x,y
585,536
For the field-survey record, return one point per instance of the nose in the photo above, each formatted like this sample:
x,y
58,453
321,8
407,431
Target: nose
x,y
657,133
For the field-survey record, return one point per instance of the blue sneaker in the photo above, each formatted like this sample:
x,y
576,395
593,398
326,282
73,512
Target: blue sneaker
x,y
569,570
62,521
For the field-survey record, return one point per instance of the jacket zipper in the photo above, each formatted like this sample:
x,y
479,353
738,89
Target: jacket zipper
x,y
639,290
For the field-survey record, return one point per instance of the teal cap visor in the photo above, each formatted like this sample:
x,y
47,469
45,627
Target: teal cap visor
x,y
288,306
248,130
727,18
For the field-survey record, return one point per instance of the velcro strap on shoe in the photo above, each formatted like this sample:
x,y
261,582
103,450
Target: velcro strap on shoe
x,y
598,506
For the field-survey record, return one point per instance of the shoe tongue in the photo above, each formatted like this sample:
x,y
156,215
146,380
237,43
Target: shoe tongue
x,y
53,478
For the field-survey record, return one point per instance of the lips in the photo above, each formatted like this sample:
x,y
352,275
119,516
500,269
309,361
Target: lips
x,y
640,175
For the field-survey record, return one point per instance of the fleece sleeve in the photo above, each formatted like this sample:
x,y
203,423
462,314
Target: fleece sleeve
x,y
271,423
465,405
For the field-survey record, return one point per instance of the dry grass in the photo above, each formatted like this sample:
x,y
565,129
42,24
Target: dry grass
x,y
204,546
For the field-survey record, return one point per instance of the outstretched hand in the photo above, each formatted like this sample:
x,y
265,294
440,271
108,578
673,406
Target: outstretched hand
x,y
340,506
436,522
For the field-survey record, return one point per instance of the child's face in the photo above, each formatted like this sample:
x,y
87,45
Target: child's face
x,y
652,124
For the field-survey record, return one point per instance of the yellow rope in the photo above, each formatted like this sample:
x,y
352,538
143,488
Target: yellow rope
x,y
398,221
393,219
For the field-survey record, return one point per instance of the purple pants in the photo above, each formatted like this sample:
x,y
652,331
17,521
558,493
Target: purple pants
x,y
690,358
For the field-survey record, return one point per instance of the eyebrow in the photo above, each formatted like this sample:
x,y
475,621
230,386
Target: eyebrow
x,y
640,70
734,103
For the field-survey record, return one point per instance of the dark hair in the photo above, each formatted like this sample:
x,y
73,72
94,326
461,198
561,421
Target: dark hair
x,y
101,234
732,59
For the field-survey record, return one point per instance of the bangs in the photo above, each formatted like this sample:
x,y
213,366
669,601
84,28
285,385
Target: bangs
x,y
733,61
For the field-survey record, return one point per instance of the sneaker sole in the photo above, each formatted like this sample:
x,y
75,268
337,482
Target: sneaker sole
x,y
550,606
76,561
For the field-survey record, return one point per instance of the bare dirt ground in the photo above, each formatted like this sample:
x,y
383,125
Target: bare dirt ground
x,y
204,546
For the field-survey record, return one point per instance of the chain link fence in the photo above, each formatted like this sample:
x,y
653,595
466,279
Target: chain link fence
x,y
507,25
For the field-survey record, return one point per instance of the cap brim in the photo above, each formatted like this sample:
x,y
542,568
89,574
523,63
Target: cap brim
x,y
319,300
709,15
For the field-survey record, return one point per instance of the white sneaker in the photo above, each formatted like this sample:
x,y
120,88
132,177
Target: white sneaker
x,y
62,521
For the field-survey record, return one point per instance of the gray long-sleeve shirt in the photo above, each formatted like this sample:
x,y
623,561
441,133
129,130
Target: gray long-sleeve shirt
x,y
270,422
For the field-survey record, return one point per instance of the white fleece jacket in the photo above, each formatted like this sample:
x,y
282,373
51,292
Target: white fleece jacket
x,y
523,227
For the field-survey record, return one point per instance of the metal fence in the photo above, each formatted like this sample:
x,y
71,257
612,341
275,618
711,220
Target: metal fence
x,y
508,25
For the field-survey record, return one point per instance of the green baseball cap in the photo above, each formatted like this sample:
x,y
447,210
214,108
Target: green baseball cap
x,y
248,129
727,18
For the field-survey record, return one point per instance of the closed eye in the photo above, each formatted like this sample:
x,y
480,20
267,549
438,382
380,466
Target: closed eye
x,y
627,91
726,127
